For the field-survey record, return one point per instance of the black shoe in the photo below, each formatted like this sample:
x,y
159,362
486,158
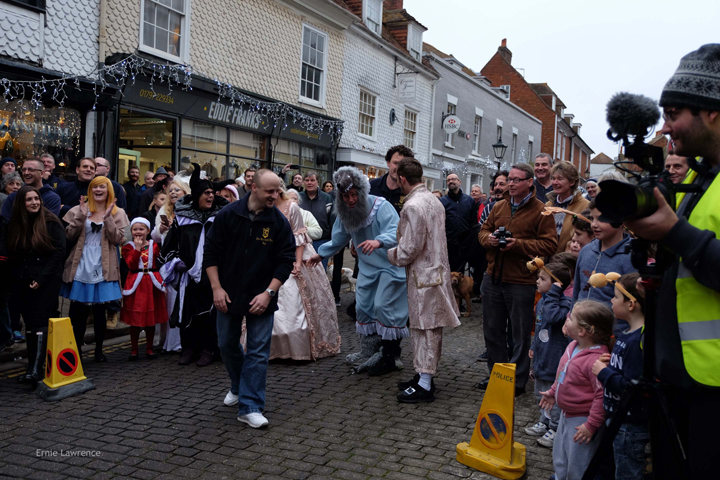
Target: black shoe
x,y
100,357
206,358
186,357
519,391
415,394
462,308
133,357
151,356
414,382
483,357
384,366
484,384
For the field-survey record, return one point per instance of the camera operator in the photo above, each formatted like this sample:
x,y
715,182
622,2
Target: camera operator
x,y
688,312
508,288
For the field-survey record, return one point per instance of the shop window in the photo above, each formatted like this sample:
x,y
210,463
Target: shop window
x,y
410,128
204,136
26,132
213,164
314,60
164,28
366,123
145,141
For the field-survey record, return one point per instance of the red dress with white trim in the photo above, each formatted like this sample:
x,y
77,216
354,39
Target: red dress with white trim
x,y
144,293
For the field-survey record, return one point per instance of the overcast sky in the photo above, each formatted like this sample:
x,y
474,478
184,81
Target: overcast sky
x,y
585,51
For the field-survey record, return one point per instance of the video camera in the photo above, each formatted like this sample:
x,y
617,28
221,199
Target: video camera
x,y
632,118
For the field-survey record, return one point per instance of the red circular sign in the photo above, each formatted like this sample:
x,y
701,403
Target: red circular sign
x,y
67,362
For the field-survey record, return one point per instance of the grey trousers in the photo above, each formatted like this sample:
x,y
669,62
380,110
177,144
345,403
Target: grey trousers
x,y
516,303
570,459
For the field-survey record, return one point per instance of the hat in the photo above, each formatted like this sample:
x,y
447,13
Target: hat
x,y
142,220
233,189
696,82
6,160
160,171
198,185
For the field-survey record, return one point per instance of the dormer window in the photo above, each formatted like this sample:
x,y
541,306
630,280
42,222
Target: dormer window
x,y
372,13
414,42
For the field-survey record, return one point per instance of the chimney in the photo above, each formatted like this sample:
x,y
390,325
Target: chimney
x,y
505,52
393,5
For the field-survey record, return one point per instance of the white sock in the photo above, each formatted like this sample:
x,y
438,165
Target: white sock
x,y
425,381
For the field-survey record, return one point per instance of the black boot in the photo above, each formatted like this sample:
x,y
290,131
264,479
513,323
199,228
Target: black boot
x,y
31,349
387,363
38,370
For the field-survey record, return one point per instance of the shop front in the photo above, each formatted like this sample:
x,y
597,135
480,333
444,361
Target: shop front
x,y
158,127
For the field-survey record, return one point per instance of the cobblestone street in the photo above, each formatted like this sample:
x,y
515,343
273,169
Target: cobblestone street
x,y
158,420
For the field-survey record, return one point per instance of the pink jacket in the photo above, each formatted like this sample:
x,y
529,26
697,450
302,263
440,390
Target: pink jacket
x,y
580,394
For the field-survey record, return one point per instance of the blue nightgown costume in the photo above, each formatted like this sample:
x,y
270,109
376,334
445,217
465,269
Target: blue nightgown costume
x,y
381,289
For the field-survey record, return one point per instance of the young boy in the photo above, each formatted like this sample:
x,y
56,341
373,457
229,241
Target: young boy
x,y
607,253
582,233
616,371
549,343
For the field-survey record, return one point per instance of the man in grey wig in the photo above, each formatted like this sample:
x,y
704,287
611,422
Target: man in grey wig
x,y
381,291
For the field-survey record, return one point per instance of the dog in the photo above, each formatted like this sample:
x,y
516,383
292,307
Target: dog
x,y
347,277
462,288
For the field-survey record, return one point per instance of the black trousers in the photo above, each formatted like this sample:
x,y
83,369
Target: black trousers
x,y
78,316
337,273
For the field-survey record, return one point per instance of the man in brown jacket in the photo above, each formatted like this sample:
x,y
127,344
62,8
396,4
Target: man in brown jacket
x,y
422,250
508,289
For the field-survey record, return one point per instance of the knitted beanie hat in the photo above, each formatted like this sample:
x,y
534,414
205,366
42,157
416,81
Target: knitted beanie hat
x,y
696,82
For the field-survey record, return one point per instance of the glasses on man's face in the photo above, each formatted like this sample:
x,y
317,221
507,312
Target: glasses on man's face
x,y
671,114
208,192
28,169
517,180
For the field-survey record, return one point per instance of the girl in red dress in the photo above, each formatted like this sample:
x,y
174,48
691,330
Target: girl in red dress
x,y
144,302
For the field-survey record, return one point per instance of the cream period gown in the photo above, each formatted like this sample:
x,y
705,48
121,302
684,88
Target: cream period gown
x,y
306,324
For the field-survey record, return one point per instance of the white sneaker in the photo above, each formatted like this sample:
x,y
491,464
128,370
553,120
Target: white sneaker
x,y
537,430
255,419
548,439
230,399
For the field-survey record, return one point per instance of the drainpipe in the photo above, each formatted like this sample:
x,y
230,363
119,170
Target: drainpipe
x,y
432,123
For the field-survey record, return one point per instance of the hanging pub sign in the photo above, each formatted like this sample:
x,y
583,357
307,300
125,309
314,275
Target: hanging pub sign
x,y
407,85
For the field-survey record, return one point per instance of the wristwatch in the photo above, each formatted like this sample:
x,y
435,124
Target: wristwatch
x,y
271,292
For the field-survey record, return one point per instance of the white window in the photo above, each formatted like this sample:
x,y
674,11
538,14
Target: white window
x,y
513,152
314,65
530,149
414,42
452,108
410,128
499,133
366,121
373,15
478,128
165,25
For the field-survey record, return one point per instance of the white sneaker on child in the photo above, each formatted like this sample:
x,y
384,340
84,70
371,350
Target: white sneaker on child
x,y
548,439
255,419
230,399
537,430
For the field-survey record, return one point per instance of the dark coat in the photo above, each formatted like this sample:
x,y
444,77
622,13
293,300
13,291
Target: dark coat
x,y
70,193
133,193
321,209
249,254
53,180
50,200
378,187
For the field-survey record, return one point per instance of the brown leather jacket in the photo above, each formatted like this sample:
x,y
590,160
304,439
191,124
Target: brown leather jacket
x,y
114,233
535,236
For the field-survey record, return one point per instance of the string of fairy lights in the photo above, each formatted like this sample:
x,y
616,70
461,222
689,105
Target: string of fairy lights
x,y
31,92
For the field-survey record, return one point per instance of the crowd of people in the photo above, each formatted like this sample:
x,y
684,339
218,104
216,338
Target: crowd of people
x,y
238,271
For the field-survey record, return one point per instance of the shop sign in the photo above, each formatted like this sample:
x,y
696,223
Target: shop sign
x,y
407,85
451,124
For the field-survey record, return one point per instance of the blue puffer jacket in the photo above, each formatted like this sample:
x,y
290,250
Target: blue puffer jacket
x,y
549,342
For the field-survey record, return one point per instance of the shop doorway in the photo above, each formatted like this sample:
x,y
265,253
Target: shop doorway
x,y
146,141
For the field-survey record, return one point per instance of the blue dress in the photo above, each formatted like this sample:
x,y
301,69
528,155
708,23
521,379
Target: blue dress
x,y
381,289
89,285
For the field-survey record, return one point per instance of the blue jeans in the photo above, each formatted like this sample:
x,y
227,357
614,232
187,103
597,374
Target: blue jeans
x,y
316,246
629,446
247,371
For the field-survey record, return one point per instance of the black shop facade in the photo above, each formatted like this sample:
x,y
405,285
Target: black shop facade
x,y
156,126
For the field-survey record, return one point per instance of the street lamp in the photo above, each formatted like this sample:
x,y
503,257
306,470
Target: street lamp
x,y
499,149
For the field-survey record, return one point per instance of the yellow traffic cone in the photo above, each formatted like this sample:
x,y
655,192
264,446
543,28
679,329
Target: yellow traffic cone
x,y
492,448
63,369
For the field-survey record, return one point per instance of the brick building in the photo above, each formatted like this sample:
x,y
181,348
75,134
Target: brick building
x,y
387,88
560,134
485,115
288,51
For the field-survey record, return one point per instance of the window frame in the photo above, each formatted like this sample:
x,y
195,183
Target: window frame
x,y
25,5
414,33
477,130
323,85
366,5
451,110
513,148
185,22
374,116
406,129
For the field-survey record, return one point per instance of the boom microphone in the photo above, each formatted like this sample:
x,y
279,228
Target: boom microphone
x,y
631,114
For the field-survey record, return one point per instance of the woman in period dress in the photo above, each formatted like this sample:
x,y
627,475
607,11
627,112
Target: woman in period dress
x,y
91,277
306,324
167,338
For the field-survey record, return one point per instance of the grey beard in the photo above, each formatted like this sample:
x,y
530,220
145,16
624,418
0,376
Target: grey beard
x,y
353,218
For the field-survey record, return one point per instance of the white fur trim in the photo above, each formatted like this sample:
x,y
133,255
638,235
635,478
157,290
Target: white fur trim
x,y
142,220
140,274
